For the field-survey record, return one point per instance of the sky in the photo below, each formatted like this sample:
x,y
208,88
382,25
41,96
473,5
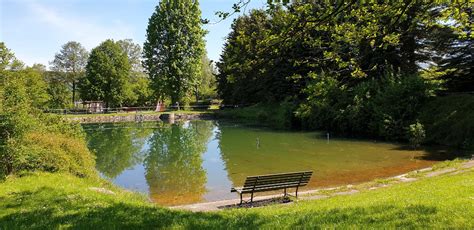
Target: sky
x,y
36,29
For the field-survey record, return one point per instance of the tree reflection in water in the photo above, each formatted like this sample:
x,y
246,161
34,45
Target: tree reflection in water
x,y
173,163
117,146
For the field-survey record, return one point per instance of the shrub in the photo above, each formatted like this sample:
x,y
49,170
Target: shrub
x,y
54,152
375,108
416,134
33,141
449,120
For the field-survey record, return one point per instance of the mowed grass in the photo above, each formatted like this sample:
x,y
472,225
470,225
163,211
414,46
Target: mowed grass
x,y
51,201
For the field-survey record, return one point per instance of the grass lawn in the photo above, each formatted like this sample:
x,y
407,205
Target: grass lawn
x,y
44,200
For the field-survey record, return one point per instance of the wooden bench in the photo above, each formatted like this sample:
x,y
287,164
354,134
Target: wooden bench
x,y
270,182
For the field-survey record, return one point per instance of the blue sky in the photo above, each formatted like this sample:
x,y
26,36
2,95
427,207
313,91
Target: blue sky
x,y
35,29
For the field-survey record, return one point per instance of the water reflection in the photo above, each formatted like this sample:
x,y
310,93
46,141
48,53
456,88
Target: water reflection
x,y
169,154
189,162
173,163
118,146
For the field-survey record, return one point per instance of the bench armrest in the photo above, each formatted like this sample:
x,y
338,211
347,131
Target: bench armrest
x,y
237,190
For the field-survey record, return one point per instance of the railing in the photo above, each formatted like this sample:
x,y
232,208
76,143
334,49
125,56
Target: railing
x,y
136,109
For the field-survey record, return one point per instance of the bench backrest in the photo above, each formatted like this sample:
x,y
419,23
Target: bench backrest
x,y
276,181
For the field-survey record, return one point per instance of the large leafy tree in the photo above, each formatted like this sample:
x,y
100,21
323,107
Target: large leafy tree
x,y
206,87
71,61
140,92
173,49
453,43
107,74
344,61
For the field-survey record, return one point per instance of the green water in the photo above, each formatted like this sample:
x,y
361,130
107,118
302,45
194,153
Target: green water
x,y
199,161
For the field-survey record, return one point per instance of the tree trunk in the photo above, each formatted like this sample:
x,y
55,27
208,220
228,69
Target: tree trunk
x,y
74,93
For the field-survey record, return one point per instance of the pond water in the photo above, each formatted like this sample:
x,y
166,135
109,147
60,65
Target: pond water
x,y
198,161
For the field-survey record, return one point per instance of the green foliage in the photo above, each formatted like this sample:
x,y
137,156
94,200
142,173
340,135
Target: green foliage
x,y
107,75
173,49
71,61
352,68
242,77
206,87
382,108
139,93
58,90
278,116
449,120
417,134
453,46
8,60
31,140
34,141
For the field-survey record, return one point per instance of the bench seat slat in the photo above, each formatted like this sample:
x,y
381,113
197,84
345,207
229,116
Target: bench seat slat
x,y
280,174
272,180
276,180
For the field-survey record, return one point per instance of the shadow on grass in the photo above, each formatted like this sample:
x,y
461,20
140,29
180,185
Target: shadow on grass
x,y
258,203
45,208
48,208
52,211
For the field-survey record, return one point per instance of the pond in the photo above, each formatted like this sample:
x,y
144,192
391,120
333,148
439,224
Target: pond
x,y
199,161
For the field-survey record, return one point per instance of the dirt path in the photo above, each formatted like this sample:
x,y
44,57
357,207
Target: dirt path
x,y
260,201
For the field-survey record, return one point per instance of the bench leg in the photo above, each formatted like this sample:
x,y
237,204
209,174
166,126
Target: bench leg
x,y
251,198
240,199
285,192
297,191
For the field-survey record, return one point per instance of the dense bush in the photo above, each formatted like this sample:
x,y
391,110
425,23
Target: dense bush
x,y
449,120
279,116
31,140
376,108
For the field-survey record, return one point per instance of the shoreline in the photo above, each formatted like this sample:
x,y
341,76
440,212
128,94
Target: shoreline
x,y
169,117
324,193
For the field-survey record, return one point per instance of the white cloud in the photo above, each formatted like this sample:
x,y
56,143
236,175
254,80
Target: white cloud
x,y
69,27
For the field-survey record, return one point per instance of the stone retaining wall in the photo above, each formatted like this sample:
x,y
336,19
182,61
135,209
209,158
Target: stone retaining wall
x,y
167,117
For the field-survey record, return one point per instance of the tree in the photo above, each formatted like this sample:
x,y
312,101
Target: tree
x,y
8,60
58,90
71,60
454,46
173,49
107,73
206,87
133,52
139,81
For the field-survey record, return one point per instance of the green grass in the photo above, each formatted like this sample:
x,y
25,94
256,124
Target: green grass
x,y
50,201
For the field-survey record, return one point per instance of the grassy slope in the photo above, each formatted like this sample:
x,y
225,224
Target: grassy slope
x,y
57,200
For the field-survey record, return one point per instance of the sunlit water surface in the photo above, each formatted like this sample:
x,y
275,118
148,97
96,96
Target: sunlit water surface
x,y
198,161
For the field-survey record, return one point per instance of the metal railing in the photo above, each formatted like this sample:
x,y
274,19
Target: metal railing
x,y
142,109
